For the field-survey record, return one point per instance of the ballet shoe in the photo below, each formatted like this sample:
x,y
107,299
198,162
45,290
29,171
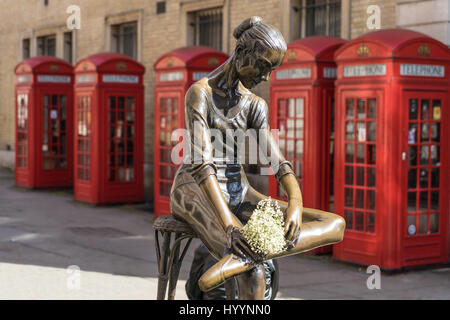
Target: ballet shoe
x,y
227,267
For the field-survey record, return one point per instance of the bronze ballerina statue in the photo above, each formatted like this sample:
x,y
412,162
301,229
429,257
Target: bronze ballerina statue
x,y
213,195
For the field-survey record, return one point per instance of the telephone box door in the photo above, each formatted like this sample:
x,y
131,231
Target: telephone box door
x,y
290,121
425,180
170,118
356,170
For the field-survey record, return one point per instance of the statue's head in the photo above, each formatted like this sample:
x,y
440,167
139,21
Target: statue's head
x,y
260,48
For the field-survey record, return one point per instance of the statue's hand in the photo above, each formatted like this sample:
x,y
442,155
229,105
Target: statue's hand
x,y
239,246
293,221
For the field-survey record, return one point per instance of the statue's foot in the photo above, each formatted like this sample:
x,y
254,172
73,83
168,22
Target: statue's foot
x,y
227,267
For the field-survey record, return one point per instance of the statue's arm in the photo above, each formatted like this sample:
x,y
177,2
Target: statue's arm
x,y
203,169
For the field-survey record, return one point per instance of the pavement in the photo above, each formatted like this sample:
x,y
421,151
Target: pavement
x,y
52,247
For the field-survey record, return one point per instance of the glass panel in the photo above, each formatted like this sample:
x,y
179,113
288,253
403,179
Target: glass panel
x,y
348,219
424,132
371,154
290,128
359,198
360,153
412,203
436,132
423,223
350,108
348,175
423,178
359,221
412,178
299,128
291,108
425,110
350,131
371,177
370,222
434,222
360,176
412,158
411,227
299,104
348,197
361,109
372,131
434,200
424,155
130,103
412,133
413,109
423,201
371,108
435,155
361,131
299,149
370,200
435,177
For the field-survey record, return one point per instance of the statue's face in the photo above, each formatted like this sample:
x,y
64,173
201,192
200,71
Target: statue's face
x,y
253,68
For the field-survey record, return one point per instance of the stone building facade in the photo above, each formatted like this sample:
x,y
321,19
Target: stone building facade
x,y
147,29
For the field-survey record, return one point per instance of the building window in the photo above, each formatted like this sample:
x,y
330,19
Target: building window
x,y
319,17
46,45
124,39
68,46
207,28
25,49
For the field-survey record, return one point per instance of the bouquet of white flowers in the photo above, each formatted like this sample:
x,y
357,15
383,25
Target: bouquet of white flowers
x,y
264,231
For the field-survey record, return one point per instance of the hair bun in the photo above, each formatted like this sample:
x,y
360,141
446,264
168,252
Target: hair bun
x,y
245,25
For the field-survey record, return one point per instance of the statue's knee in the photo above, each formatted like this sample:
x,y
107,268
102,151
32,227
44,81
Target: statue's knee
x,y
340,228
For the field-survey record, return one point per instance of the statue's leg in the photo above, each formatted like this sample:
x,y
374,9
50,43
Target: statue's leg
x,y
319,228
252,284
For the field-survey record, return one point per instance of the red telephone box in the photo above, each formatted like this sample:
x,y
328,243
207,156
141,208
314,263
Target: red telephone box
x,y
302,108
109,129
175,71
392,160
44,95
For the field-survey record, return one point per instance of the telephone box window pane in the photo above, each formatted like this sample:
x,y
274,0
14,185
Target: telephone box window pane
x,y
299,127
360,176
299,149
435,155
348,219
371,154
349,152
425,110
130,103
360,153
412,178
370,222
348,175
361,131
412,133
412,151
371,108
434,201
359,221
350,131
411,227
434,223
424,132
435,177
291,108
423,178
371,177
436,132
299,104
424,155
412,203
350,108
370,200
423,201
372,131
423,223
348,197
359,199
361,109
413,109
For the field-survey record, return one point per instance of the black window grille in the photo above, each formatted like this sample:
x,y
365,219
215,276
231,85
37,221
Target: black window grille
x,y
124,39
208,28
322,17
